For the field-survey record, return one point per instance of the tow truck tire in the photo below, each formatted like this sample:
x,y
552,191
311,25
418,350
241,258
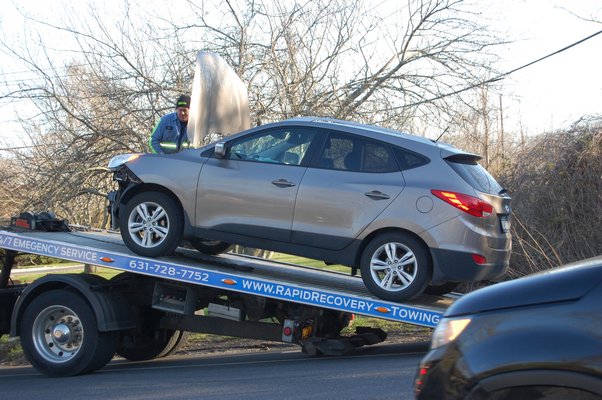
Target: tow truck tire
x,y
60,337
148,348
395,266
178,339
211,247
151,224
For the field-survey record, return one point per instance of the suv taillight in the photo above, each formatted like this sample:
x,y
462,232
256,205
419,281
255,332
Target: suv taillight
x,y
469,204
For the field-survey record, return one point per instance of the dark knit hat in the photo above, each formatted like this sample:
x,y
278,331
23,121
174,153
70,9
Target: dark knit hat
x,y
183,101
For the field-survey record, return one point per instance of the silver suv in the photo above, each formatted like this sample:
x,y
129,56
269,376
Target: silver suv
x,y
409,213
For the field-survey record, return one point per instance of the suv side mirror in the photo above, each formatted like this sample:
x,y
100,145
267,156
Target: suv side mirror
x,y
220,150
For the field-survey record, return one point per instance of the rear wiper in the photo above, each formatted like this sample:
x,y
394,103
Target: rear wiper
x,y
503,191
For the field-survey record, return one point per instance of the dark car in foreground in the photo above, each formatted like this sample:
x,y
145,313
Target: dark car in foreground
x,y
406,211
538,337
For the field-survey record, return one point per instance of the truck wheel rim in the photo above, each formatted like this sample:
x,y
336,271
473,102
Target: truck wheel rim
x,y
393,267
148,224
58,334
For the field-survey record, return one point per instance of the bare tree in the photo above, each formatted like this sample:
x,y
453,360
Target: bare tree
x,y
325,58
99,104
339,58
479,128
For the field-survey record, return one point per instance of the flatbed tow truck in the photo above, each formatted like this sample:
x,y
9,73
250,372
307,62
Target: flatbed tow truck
x,y
72,324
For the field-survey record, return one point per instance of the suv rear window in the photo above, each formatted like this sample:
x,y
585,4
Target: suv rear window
x,y
473,173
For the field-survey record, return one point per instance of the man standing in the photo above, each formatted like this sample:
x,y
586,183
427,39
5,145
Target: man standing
x,y
169,135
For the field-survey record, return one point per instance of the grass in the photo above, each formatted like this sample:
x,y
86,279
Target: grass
x,y
107,273
287,258
372,322
31,266
11,352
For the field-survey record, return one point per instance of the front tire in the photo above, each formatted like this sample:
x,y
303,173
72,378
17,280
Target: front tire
x,y
60,337
395,266
151,224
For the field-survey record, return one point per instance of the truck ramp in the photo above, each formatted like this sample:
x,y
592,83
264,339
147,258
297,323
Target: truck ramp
x,y
244,274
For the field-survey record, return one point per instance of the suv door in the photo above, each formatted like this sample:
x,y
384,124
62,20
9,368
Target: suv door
x,y
348,184
252,190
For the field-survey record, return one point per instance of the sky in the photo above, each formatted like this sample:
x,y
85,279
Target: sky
x,y
546,96
556,91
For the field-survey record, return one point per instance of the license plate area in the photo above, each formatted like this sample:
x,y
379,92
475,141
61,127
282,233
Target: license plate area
x,y
504,223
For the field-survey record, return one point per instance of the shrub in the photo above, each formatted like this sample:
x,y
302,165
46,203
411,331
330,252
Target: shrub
x,y
556,188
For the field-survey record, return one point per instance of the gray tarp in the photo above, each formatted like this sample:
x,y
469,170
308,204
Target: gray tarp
x,y
219,100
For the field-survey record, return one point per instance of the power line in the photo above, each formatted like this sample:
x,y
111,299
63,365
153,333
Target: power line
x,y
505,74
551,54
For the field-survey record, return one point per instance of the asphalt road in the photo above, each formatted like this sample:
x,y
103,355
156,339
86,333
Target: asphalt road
x,y
377,372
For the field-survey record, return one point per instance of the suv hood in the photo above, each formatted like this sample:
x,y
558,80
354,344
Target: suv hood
x,y
566,283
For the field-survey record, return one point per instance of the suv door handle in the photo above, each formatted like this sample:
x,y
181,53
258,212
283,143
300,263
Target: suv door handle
x,y
376,195
282,183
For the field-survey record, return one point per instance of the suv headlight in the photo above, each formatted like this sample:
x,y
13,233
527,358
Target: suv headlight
x,y
119,160
448,330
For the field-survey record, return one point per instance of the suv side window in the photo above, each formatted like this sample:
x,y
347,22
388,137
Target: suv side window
x,y
347,153
378,158
278,146
408,159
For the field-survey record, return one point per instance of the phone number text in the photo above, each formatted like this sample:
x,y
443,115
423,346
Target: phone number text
x,y
182,273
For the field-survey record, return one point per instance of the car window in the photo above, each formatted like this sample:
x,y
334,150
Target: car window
x,y
408,160
477,176
350,153
378,158
279,146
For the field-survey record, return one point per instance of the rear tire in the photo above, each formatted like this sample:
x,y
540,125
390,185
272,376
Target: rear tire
x,y
147,341
151,224
178,339
395,266
60,337
153,344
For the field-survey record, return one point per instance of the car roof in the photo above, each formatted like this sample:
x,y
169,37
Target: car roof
x,y
371,131
340,124
377,132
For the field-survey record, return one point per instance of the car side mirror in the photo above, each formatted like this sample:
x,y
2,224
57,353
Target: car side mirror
x,y
220,150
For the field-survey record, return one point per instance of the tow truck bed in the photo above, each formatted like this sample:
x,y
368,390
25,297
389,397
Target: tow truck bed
x,y
255,276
